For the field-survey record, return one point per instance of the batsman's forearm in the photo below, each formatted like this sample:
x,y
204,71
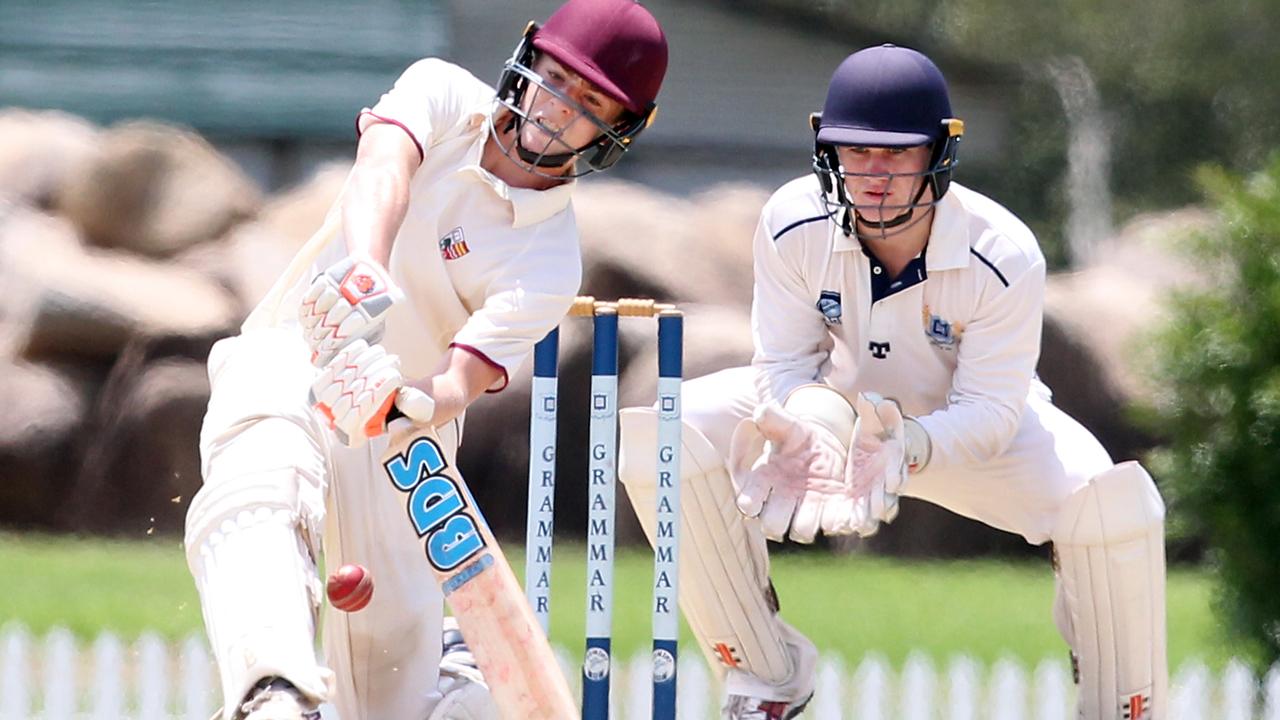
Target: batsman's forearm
x,y
373,208
459,378
450,398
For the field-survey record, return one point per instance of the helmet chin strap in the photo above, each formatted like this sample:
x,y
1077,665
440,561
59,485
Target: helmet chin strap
x,y
901,219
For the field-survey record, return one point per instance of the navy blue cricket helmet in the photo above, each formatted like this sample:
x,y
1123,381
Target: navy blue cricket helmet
x,y
885,97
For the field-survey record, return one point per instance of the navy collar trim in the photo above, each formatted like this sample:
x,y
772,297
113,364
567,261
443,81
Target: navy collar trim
x,y
882,286
797,224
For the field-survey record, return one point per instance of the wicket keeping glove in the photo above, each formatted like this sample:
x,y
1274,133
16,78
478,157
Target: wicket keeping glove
x,y
357,389
878,456
788,465
349,301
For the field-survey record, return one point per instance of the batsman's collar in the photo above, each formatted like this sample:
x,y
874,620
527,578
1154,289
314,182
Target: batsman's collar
x,y
948,246
528,207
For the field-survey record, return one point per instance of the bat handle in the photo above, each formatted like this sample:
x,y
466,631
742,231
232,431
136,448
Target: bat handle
x,y
412,404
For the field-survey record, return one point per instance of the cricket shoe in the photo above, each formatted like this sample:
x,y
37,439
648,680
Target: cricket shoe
x,y
465,694
275,698
747,697
740,707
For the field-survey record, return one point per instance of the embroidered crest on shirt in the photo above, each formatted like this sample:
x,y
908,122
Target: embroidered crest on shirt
x,y
829,306
940,332
454,245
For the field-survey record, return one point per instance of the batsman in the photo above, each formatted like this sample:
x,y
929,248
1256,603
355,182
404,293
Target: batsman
x,y
454,249
896,321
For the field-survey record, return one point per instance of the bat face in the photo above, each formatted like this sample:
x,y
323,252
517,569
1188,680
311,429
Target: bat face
x,y
509,645
437,506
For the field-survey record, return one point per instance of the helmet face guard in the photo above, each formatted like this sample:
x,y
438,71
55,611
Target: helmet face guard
x,y
518,79
936,177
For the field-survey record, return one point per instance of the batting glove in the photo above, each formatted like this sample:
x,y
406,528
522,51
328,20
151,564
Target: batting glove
x,y
347,302
357,390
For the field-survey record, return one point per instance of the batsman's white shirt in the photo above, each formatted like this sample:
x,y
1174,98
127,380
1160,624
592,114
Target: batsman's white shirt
x,y
485,267
954,338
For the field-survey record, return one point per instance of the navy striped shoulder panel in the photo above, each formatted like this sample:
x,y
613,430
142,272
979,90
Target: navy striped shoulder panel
x,y
991,265
797,224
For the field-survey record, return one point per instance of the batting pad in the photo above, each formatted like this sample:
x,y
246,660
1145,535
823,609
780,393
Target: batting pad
x,y
247,545
724,565
1109,540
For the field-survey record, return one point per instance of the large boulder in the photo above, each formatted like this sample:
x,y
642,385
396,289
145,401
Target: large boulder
x,y
298,212
88,303
24,229
46,406
155,189
1098,323
39,151
248,260
140,463
642,242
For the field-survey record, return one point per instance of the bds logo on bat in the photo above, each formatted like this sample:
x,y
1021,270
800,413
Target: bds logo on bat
x,y
437,507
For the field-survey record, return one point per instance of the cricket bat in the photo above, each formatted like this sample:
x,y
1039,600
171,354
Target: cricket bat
x,y
499,626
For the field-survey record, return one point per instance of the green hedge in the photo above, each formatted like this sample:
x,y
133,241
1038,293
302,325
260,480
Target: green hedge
x,y
1219,364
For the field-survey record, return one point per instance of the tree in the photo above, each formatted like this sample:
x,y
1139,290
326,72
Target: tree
x,y
1219,364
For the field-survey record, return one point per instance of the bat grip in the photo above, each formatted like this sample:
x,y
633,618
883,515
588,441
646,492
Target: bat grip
x,y
413,405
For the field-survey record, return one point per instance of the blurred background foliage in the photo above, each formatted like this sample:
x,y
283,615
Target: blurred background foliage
x,y
1218,360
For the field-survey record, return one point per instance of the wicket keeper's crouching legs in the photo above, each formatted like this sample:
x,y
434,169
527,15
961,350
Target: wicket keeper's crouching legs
x,y
725,591
1055,482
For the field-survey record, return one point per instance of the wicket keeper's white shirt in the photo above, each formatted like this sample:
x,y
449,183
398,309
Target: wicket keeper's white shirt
x,y
485,267
954,338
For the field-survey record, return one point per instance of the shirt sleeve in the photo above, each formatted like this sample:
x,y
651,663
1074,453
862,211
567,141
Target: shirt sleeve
x,y
431,97
996,362
524,302
789,334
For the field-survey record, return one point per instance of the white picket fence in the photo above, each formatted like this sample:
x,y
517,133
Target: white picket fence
x,y
54,678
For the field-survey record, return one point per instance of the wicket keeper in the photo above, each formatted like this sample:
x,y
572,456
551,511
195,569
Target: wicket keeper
x,y
896,321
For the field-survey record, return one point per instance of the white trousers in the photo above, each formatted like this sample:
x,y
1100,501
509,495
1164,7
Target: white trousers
x,y
1021,491
261,445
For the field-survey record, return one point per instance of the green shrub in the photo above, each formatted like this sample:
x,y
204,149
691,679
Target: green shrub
x,y
1219,365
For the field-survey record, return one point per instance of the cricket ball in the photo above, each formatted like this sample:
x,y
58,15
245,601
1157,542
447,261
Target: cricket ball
x,y
350,588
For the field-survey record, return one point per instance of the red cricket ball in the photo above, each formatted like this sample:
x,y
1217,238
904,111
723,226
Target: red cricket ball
x,y
350,588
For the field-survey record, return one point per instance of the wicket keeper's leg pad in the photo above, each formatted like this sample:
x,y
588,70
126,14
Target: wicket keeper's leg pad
x,y
724,563
1109,541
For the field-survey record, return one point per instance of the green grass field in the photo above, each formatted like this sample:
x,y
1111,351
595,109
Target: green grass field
x,y
850,605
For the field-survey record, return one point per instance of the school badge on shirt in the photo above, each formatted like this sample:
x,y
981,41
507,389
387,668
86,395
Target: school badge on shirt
x,y
454,245
829,306
940,332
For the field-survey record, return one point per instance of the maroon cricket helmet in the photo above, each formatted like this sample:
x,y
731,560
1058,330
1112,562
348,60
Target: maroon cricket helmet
x,y
615,44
